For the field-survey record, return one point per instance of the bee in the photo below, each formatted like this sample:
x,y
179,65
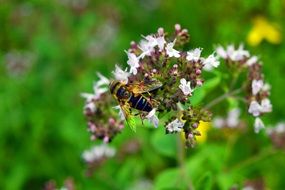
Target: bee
x,y
134,95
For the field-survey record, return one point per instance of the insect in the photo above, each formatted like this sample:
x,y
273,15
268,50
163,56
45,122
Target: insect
x,y
134,95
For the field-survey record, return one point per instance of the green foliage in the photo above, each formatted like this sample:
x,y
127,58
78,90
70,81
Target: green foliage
x,y
43,132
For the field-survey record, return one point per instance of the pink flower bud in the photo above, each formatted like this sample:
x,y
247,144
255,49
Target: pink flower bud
x,y
112,121
106,139
160,31
198,72
177,27
199,82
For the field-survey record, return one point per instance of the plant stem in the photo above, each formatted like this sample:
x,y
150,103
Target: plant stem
x,y
181,161
221,98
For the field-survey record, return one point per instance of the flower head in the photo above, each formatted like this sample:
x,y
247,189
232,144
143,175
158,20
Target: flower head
x,y
170,51
254,108
153,118
258,125
185,87
120,74
133,62
266,105
211,62
174,126
194,55
261,30
256,86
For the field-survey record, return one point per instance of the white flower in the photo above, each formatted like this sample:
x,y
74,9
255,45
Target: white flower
x,y
219,122
170,51
147,45
153,118
133,62
194,55
239,54
266,105
121,112
91,106
251,60
233,117
121,75
280,128
254,108
266,87
98,152
99,88
256,86
175,126
258,125
160,42
102,80
185,87
211,62
221,52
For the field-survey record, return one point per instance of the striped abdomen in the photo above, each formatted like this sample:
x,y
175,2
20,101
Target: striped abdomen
x,y
140,103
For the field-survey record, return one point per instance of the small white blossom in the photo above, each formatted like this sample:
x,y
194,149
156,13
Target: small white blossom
x,y
99,88
91,106
211,62
147,45
98,152
254,108
266,105
231,121
219,122
194,55
256,86
251,60
185,87
102,80
231,53
239,54
175,126
160,42
120,74
170,51
221,52
266,87
153,118
279,129
121,112
233,117
133,62
258,125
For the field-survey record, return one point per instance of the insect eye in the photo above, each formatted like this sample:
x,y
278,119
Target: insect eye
x,y
126,94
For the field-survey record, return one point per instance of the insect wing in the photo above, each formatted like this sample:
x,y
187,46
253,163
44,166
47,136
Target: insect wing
x,y
143,87
128,116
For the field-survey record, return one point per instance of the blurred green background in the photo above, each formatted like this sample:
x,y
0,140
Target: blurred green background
x,y
50,52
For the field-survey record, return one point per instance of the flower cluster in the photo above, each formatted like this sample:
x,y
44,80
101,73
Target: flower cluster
x,y
101,119
160,58
96,156
257,91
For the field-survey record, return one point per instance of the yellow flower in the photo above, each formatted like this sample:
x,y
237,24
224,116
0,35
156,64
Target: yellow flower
x,y
203,129
263,30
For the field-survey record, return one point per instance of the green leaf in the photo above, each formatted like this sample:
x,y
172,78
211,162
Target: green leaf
x,y
205,182
168,179
202,91
163,143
